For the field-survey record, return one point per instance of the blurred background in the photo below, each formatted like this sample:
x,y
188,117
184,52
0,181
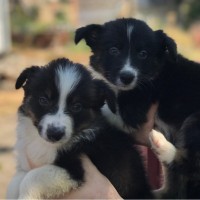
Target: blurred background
x,y
33,32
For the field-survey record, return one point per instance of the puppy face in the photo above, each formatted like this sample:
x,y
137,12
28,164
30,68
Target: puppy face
x,y
61,99
126,51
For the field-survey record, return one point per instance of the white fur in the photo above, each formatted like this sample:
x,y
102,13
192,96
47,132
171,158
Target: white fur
x,y
129,31
31,147
48,181
165,151
112,118
14,185
67,80
35,177
128,68
58,120
31,151
115,119
98,76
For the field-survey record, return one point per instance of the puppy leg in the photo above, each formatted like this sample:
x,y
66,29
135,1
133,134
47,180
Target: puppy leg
x,y
164,150
13,187
46,182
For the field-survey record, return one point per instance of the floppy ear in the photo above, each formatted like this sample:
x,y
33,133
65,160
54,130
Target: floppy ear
x,y
168,44
90,34
105,93
25,76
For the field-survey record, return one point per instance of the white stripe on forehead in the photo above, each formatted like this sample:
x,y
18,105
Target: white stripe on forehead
x,y
127,66
67,80
129,31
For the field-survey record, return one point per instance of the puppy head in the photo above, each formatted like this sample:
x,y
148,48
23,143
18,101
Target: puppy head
x,y
127,51
62,99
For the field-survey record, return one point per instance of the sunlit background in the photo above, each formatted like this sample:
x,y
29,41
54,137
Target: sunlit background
x,y
33,32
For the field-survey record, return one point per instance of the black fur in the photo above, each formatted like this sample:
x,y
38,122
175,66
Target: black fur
x,y
109,149
164,77
113,154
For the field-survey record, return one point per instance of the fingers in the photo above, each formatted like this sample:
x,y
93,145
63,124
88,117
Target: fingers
x,y
89,168
96,185
152,111
91,172
142,135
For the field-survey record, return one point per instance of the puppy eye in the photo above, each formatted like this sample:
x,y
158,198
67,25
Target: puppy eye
x,y
43,101
143,54
77,107
114,51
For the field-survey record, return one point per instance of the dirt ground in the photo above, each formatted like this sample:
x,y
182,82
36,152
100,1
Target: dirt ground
x,y
10,66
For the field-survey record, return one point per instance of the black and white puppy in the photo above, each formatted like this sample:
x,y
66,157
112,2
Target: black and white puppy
x,y
130,55
60,119
145,68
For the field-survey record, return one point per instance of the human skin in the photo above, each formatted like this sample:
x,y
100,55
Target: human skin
x,y
96,185
142,135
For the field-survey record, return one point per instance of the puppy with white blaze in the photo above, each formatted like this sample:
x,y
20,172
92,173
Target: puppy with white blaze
x,y
144,66
59,120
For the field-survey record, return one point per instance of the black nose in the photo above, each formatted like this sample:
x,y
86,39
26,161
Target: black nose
x,y
126,77
54,134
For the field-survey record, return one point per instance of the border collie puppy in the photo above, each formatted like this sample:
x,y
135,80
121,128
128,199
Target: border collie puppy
x,y
145,68
60,119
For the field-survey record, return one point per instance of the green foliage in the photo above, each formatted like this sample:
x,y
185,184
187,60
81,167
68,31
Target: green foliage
x,y
23,21
33,13
18,19
194,12
190,12
80,48
60,17
64,1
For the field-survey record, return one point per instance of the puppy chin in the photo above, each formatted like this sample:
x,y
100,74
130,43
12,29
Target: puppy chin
x,y
120,86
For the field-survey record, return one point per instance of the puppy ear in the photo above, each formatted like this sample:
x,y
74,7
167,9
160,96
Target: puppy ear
x,y
90,34
105,93
168,44
25,75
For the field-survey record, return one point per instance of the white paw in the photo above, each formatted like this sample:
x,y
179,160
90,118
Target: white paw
x,y
46,182
158,194
164,150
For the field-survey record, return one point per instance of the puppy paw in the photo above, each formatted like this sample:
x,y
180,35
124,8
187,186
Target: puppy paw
x,y
159,193
46,182
164,150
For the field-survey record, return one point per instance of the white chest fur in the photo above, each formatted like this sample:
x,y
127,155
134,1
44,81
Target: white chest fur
x,y
32,151
115,119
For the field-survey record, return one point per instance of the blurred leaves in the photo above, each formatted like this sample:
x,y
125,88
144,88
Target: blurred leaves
x,y
188,11
193,13
23,21
60,17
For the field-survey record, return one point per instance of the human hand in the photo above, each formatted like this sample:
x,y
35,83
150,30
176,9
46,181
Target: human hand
x,y
96,185
142,135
